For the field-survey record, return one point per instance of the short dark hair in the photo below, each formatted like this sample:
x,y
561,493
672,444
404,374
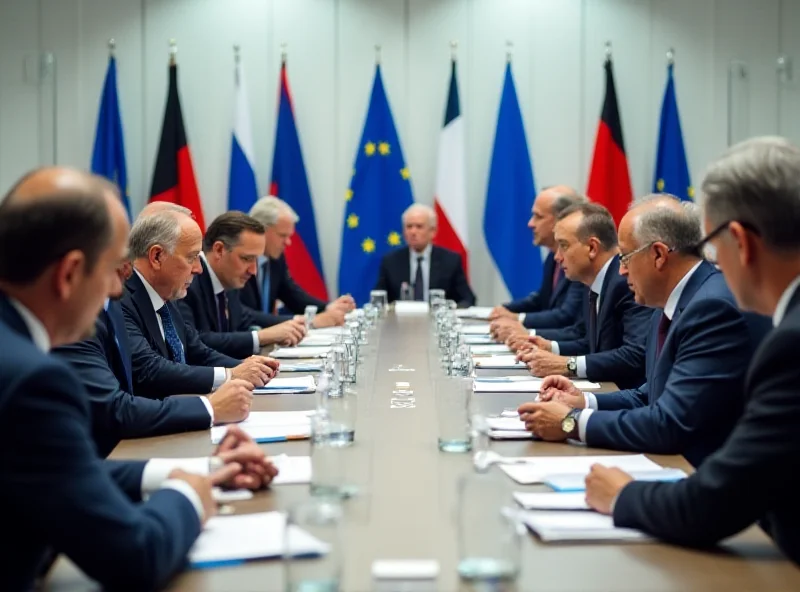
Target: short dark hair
x,y
228,227
58,223
597,222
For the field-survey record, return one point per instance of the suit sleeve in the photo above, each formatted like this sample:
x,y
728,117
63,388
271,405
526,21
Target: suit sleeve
x,y
749,475
625,399
238,344
198,353
464,295
567,312
58,486
294,297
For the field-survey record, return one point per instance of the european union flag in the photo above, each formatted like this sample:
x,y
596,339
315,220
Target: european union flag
x,y
379,192
108,155
509,198
672,171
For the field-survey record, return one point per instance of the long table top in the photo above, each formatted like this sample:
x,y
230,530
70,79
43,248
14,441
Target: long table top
x,y
408,506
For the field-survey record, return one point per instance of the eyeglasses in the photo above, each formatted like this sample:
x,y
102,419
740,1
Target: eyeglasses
x,y
626,258
709,251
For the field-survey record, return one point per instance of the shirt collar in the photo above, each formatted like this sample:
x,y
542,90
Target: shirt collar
x,y
677,292
216,285
426,253
156,300
35,327
783,303
597,284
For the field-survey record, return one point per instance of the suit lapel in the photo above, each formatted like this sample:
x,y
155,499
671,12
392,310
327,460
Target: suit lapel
x,y
116,327
207,295
605,297
145,307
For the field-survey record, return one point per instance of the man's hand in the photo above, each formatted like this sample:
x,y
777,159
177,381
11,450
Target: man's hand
x,y
231,402
544,420
519,343
344,304
502,312
202,486
504,328
288,333
254,370
542,343
603,485
237,446
542,363
329,318
560,388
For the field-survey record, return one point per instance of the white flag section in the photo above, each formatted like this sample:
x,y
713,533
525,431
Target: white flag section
x,y
450,201
242,187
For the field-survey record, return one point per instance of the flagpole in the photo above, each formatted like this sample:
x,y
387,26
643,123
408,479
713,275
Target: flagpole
x,y
112,46
608,51
453,48
378,55
173,52
283,54
670,57
509,50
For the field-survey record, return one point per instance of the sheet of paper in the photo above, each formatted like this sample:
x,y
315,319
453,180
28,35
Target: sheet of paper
x,y
538,468
478,339
329,331
577,482
498,362
475,312
475,329
313,366
551,501
271,425
492,348
285,353
292,470
233,539
578,526
511,435
520,384
317,341
410,307
287,385
505,423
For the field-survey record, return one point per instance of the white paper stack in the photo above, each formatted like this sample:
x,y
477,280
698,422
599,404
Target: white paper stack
x,y
577,482
312,366
551,501
537,469
288,353
498,362
410,308
229,540
317,341
329,331
292,470
492,348
478,339
520,384
287,386
579,526
481,313
271,426
508,428
476,329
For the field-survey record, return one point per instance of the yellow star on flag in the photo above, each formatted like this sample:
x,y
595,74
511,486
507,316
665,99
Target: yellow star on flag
x,y
405,173
660,185
369,149
394,239
348,195
383,148
352,221
690,192
368,245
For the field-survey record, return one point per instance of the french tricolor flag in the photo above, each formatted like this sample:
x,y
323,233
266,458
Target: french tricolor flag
x,y
242,187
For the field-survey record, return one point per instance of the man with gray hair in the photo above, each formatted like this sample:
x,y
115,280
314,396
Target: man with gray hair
x,y
273,282
698,348
751,217
421,266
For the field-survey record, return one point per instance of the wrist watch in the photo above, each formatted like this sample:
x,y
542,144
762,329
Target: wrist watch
x,y
572,366
569,425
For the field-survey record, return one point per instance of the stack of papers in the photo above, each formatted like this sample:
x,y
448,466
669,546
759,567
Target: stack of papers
x,y
317,341
492,348
329,331
476,329
520,384
578,526
231,540
271,426
478,339
481,313
551,501
410,307
313,366
285,353
288,385
498,362
537,469
508,428
577,482
292,470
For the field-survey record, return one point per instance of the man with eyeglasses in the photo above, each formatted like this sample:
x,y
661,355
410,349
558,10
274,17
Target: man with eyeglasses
x,y
751,216
698,347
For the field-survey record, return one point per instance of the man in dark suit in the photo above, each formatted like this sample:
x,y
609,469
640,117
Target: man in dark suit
x,y
558,301
231,247
608,342
62,496
168,356
421,266
698,349
752,212
273,282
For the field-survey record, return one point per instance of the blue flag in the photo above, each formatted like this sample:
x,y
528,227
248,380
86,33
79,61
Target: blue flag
x,y
672,171
108,155
379,193
509,198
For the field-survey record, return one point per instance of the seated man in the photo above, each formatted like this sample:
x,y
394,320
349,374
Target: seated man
x,y
63,497
609,344
273,282
231,247
421,265
558,301
168,357
698,348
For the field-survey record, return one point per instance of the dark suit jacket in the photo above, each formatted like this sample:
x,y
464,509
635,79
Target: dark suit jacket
x,y
60,495
116,413
446,273
616,352
549,308
281,287
694,391
154,374
753,477
199,309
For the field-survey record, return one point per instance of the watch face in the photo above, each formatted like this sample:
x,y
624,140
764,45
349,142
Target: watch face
x,y
568,424
572,365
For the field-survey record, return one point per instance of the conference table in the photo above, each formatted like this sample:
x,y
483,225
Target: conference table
x,y
406,508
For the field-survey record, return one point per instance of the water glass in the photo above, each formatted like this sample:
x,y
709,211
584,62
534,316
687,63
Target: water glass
x,y
436,295
380,300
322,519
350,367
327,459
406,292
453,396
310,313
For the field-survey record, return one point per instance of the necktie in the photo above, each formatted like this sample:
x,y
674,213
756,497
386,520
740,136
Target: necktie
x,y
419,288
222,312
592,321
174,345
116,325
663,329
556,275
265,286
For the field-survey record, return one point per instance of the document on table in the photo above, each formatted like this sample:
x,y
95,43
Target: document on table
x,y
476,329
537,469
292,470
551,501
520,384
481,313
329,331
508,428
492,348
312,366
317,341
498,362
230,540
271,426
579,526
285,353
478,339
577,482
287,385
410,307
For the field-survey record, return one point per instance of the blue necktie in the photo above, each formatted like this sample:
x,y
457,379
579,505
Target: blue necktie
x,y
419,286
116,325
265,286
171,338
222,312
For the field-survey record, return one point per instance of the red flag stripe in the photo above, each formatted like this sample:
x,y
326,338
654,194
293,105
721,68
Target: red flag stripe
x,y
446,236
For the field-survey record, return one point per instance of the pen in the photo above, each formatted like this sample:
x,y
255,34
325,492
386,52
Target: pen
x,y
273,439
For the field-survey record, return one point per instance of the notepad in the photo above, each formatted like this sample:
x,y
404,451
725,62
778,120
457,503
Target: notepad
x,y
498,362
551,501
520,384
475,312
292,470
476,329
579,526
505,423
410,307
300,352
334,331
271,426
317,341
229,540
538,468
287,385
492,348
314,366
478,339
577,482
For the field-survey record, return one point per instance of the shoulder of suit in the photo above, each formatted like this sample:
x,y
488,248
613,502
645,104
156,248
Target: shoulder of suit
x,y
22,359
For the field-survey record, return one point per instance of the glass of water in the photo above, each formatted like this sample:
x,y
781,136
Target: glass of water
x,y
436,295
327,460
453,395
380,300
310,313
321,518
406,292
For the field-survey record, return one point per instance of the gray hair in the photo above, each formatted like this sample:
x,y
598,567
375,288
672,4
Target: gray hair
x,y
758,182
161,228
155,207
677,228
597,222
427,210
268,209
562,202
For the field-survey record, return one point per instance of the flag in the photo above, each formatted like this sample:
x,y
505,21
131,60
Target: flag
x,y
509,199
379,193
289,182
672,171
450,201
609,180
242,188
173,178
108,154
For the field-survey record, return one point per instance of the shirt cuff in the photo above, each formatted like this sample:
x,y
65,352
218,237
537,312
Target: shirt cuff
x,y
187,490
256,343
156,471
532,332
590,401
209,408
581,373
554,348
220,377
583,420
521,317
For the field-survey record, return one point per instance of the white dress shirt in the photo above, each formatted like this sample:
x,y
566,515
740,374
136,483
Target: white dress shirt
x,y
783,302
426,268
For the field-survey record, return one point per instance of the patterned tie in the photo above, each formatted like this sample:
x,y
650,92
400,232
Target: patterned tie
x,y
222,312
419,288
265,286
174,345
592,321
663,329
